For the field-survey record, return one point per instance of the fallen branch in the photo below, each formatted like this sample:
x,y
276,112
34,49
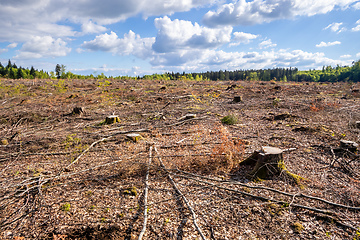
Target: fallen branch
x,y
183,197
145,195
317,210
86,150
274,190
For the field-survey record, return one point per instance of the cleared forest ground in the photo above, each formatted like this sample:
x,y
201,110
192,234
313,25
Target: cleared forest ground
x,y
66,175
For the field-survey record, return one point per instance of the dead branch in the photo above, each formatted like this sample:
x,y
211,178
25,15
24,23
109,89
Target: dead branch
x,y
182,195
86,150
146,195
274,190
317,210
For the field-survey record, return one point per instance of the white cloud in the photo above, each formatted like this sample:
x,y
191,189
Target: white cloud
x,y
358,54
43,47
179,34
90,27
335,27
266,44
23,19
12,45
357,28
2,50
241,37
242,12
328,44
345,56
131,44
208,59
357,5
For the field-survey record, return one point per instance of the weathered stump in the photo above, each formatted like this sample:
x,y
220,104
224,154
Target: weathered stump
x,y
349,145
111,119
237,99
135,137
268,162
77,110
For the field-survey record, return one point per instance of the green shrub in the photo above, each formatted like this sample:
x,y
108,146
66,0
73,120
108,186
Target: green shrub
x,y
65,207
230,120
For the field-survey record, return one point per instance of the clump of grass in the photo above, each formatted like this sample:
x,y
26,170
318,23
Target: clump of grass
x,y
4,142
132,191
276,102
298,227
65,207
230,120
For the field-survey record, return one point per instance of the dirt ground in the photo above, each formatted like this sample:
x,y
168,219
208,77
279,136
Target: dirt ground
x,y
65,174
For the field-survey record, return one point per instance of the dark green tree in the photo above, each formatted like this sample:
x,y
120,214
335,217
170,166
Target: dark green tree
x,y
32,72
11,73
20,73
58,71
9,64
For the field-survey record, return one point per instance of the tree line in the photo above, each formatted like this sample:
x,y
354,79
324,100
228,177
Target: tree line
x,y
327,74
14,72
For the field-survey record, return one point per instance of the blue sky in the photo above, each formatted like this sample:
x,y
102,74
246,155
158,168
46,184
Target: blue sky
x,y
118,37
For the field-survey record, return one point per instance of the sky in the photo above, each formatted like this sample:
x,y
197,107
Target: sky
x,y
137,37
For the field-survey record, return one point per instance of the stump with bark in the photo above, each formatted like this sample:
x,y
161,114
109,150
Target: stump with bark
x,y
237,99
77,111
111,119
268,163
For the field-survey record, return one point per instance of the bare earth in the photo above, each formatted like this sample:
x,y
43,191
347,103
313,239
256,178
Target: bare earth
x,y
65,175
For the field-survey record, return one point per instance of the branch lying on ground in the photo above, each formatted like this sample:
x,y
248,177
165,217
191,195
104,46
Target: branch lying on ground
x,y
146,195
183,197
274,190
317,210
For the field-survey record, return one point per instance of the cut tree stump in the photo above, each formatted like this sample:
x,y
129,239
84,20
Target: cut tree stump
x,y
135,137
237,99
111,119
77,110
349,145
268,162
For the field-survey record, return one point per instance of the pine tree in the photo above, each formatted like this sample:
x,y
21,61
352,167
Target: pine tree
x,y
32,72
9,65
20,73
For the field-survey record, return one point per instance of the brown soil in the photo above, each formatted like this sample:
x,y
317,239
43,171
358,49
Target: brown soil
x,y
65,174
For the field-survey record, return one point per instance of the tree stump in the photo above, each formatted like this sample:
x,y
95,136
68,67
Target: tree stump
x,y
268,162
77,110
237,99
111,119
135,137
349,145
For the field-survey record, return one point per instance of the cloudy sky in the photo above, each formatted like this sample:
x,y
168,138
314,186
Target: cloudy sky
x,y
121,37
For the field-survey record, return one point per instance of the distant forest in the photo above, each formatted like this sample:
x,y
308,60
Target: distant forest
x,y
327,74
